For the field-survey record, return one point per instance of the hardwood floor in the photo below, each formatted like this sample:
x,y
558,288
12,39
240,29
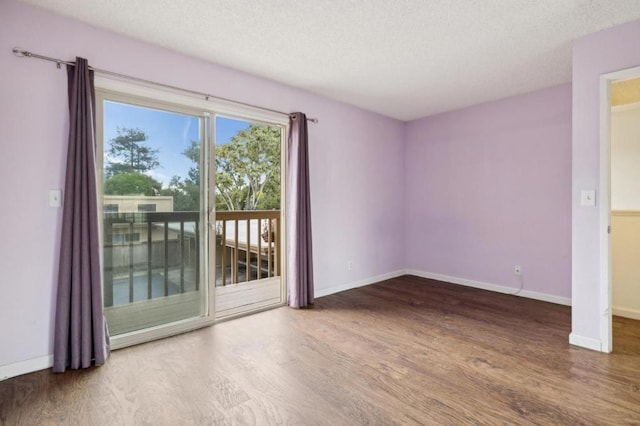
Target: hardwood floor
x,y
404,351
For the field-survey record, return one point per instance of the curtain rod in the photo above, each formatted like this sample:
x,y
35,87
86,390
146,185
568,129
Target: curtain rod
x,y
22,53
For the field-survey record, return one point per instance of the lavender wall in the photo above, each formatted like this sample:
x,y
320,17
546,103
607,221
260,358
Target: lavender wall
x,y
357,173
593,55
489,187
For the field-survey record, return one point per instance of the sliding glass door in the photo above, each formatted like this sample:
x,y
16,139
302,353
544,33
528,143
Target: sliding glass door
x,y
192,202
154,232
249,240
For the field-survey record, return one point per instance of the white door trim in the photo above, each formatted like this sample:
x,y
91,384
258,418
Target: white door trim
x,y
605,312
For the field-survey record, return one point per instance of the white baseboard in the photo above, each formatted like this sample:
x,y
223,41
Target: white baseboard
x,y
355,284
585,342
23,367
493,287
626,312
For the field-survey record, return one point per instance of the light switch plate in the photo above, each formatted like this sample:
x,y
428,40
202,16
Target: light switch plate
x,y
55,198
588,198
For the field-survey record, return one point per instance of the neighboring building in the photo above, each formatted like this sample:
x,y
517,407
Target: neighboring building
x,y
137,203
127,236
131,231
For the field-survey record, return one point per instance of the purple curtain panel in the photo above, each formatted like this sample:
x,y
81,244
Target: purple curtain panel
x,y
80,338
298,215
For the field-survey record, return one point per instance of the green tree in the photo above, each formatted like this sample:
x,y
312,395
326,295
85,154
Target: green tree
x,y
131,184
130,154
186,193
193,154
247,173
248,170
186,196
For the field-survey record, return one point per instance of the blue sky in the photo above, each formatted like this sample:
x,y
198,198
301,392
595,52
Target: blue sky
x,y
171,133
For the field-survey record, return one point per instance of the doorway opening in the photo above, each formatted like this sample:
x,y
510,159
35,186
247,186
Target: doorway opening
x,y
248,216
619,203
192,199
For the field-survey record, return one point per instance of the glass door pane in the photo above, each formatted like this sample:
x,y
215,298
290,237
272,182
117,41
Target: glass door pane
x,y
153,234
248,244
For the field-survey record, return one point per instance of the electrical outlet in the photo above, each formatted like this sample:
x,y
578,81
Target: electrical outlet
x,y
350,265
517,270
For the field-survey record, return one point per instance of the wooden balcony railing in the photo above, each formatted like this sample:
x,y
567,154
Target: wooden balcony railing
x,y
247,246
157,254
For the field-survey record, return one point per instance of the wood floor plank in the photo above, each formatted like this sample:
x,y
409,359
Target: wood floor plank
x,y
443,376
403,351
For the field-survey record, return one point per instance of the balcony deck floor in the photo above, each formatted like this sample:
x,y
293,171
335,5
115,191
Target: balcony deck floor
x,y
140,283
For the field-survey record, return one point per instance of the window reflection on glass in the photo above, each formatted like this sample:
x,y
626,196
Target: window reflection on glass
x,y
152,235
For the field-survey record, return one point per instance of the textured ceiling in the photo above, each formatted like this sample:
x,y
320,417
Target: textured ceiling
x,y
405,59
625,92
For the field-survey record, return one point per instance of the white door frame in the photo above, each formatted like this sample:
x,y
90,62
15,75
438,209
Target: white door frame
x,y
606,309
